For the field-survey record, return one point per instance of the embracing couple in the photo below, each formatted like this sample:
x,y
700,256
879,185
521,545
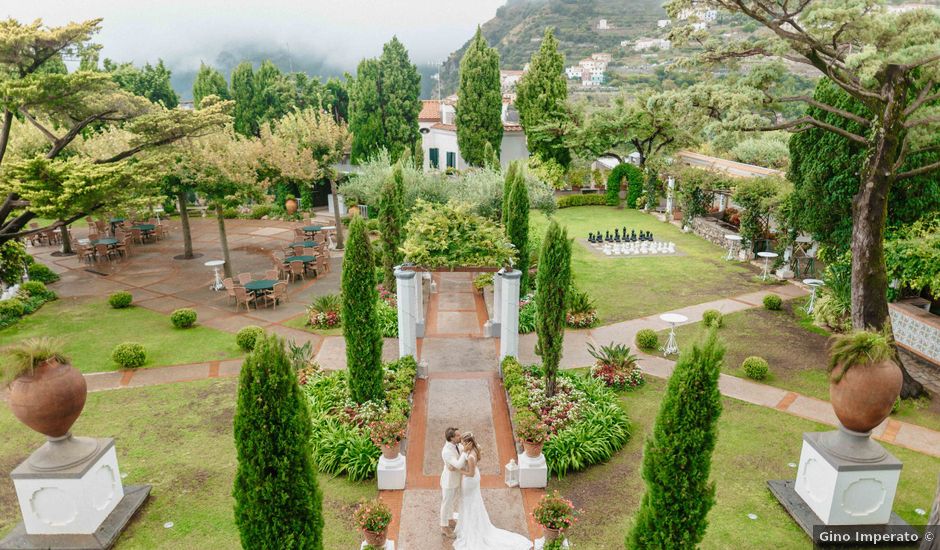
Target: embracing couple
x,y
460,488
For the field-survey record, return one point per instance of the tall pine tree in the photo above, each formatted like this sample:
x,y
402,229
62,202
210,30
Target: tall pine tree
x,y
243,92
208,82
554,279
391,223
677,457
479,102
365,112
401,103
360,318
517,225
508,180
273,93
277,498
540,97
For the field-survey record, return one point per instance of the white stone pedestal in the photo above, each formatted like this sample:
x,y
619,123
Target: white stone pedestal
x,y
509,312
389,545
540,543
785,273
847,491
391,473
533,472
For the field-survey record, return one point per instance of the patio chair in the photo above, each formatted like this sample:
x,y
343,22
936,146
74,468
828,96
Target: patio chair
x,y
321,267
84,253
271,274
297,268
102,251
298,251
299,234
282,269
137,236
243,297
162,231
93,236
320,237
244,278
279,292
123,248
229,285
310,251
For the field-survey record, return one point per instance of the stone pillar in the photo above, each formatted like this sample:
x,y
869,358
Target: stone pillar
x,y
509,314
491,327
670,200
722,202
407,335
419,305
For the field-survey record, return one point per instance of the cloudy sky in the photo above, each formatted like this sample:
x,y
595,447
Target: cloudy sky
x,y
339,32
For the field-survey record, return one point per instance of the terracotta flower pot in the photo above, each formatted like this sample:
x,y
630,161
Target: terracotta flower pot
x,y
291,206
863,398
532,450
50,398
376,539
551,534
354,210
391,452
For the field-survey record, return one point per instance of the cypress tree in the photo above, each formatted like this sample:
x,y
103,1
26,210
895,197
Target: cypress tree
x,y
272,93
360,319
507,187
554,279
540,97
243,92
490,157
365,112
479,102
391,220
277,498
400,97
677,456
208,82
517,226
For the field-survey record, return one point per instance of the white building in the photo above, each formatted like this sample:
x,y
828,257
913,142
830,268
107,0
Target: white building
x,y
663,23
439,135
644,44
602,56
590,70
573,72
902,8
508,79
705,15
602,25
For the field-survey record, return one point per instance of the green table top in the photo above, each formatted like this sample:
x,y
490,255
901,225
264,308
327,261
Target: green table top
x,y
107,241
117,220
304,259
260,284
312,228
310,244
145,226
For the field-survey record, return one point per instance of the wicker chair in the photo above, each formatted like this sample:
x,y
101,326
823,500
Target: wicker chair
x,y
297,268
271,274
243,297
244,278
279,292
102,251
298,251
229,285
84,254
322,266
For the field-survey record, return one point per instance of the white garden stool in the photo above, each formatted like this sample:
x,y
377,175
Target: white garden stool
x,y
734,242
215,265
813,284
672,346
766,256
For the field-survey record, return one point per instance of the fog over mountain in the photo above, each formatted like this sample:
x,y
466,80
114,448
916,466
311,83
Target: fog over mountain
x,y
316,36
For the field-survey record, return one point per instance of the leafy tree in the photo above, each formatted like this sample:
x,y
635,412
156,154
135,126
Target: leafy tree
x,y
208,82
365,112
541,96
400,96
677,456
553,281
517,225
152,82
277,498
339,99
508,180
360,319
272,93
391,224
243,92
479,102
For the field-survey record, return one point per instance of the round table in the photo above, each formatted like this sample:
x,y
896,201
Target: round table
x,y
672,347
734,241
812,284
260,285
305,244
766,256
114,222
305,259
215,265
312,228
107,240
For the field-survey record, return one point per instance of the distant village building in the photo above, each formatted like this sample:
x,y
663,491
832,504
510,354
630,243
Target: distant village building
x,y
602,25
708,15
508,79
903,8
644,44
663,23
186,105
590,70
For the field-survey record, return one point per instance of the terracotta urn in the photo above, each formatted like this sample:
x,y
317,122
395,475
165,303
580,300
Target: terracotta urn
x,y
391,452
354,210
863,397
376,538
291,206
50,398
532,450
551,534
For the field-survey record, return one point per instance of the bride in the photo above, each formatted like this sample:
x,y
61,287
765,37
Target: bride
x,y
474,530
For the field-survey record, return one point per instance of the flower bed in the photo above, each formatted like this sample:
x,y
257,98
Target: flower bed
x,y
585,422
342,429
325,312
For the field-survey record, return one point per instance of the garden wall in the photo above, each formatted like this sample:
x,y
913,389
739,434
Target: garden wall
x,y
713,230
916,330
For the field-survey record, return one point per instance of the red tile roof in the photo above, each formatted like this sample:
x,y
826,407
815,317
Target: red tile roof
x,y
507,127
430,110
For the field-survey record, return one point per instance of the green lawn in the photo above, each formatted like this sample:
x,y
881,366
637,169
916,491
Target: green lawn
x,y
178,438
91,328
627,288
796,351
755,444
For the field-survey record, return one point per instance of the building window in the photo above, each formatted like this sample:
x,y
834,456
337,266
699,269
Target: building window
x,y
451,159
434,157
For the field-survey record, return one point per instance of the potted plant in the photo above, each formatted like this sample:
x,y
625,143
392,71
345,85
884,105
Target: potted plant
x,y
373,517
532,432
555,514
290,204
387,434
864,381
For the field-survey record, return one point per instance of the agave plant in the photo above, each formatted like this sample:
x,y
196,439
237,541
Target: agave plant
x,y
617,355
24,356
580,302
858,348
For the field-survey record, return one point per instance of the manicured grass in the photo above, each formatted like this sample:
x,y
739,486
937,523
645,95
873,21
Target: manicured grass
x,y
91,328
178,438
627,288
796,351
755,444
300,323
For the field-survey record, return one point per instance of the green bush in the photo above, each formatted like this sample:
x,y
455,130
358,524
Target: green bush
x,y
12,308
41,273
634,181
712,318
755,368
595,199
527,316
647,339
120,300
247,337
387,319
129,355
773,302
230,213
183,317
37,289
259,211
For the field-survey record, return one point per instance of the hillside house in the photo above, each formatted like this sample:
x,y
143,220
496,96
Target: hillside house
x,y
644,44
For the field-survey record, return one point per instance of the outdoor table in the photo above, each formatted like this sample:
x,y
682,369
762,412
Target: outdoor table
x,y
215,265
766,256
260,285
107,240
305,259
672,347
146,228
813,284
734,241
311,228
305,244
115,222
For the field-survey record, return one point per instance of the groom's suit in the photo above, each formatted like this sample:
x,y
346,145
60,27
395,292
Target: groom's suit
x,y
450,481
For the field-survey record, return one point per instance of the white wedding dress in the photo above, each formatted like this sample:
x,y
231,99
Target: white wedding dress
x,y
474,530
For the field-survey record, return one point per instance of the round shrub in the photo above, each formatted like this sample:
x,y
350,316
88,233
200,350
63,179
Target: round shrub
x,y
41,273
129,355
120,300
248,336
711,318
12,308
36,289
183,318
773,302
755,368
647,339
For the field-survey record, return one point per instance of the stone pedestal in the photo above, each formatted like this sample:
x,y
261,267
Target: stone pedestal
x,y
533,472
785,273
509,313
389,545
391,473
407,334
419,304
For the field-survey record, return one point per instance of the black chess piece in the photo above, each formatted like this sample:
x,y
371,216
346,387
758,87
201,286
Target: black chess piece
x,y
650,233
625,239
617,235
633,235
607,236
590,237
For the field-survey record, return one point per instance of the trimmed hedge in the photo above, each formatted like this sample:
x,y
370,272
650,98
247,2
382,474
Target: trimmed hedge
x,y
247,337
634,177
120,300
568,201
14,307
755,368
183,318
41,273
31,296
129,355
647,339
712,318
773,302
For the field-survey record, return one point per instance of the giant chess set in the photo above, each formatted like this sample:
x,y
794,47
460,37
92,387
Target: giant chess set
x,y
621,243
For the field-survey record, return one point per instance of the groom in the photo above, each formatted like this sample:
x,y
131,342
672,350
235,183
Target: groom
x,y
450,480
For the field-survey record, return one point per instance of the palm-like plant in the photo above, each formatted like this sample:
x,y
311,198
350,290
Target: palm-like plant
x,y
24,356
617,355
